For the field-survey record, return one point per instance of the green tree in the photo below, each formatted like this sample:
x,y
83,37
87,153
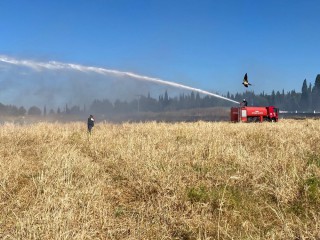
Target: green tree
x,y
310,97
273,98
316,94
34,111
22,111
304,100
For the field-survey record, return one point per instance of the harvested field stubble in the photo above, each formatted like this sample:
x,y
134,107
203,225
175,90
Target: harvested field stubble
x,y
153,180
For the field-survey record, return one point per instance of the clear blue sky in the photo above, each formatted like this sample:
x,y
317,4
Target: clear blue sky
x,y
207,44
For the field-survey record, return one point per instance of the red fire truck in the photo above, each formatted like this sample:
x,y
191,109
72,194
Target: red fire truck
x,y
254,114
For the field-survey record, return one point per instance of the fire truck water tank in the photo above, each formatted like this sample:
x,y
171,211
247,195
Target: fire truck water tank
x,y
256,111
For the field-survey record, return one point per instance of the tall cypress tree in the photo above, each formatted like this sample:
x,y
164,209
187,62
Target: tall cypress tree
x,y
310,96
273,98
316,94
304,100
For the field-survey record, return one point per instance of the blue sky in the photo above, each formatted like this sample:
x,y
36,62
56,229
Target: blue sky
x,y
207,44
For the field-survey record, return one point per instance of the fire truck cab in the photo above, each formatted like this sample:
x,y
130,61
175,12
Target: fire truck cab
x,y
254,114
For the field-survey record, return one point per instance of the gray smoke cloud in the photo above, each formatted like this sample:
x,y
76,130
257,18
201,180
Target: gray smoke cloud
x,y
27,82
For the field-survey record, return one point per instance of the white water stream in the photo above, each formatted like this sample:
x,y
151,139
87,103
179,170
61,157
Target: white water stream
x,y
53,65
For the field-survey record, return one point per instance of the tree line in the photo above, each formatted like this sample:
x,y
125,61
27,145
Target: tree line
x,y
306,100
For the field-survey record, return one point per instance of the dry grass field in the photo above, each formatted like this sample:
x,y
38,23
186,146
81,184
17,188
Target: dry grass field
x,y
202,180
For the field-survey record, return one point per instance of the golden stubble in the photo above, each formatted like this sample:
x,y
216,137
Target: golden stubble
x,y
201,180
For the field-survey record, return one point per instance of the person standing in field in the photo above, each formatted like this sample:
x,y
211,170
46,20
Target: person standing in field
x,y
90,123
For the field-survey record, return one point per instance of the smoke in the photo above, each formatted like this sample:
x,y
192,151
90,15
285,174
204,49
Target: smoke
x,y
27,82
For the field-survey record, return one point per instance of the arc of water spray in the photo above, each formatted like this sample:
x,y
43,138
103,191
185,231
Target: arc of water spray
x,y
53,65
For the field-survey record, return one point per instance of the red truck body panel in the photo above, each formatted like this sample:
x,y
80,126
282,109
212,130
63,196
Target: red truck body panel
x,y
254,114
